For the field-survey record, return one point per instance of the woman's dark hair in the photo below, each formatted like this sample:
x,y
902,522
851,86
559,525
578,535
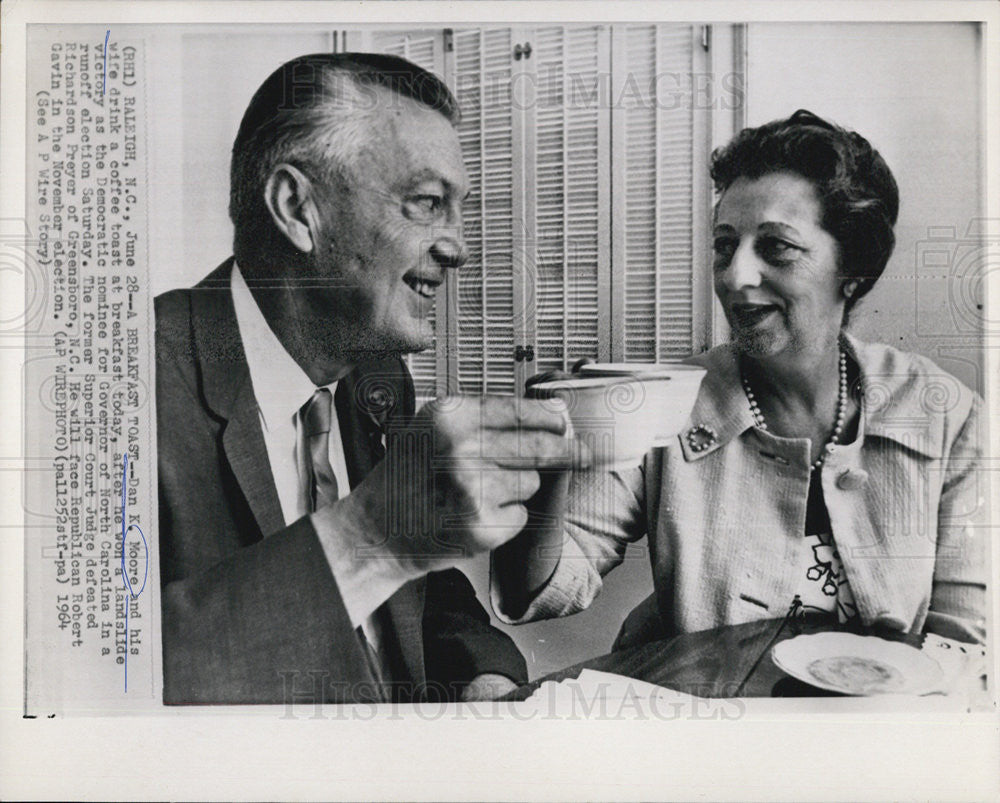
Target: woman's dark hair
x,y
858,194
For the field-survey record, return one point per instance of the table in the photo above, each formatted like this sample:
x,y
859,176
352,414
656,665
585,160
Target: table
x,y
728,661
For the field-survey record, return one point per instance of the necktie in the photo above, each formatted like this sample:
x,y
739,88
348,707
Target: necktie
x,y
317,483
318,486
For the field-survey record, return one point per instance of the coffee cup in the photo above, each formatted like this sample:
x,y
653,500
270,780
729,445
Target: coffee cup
x,y
684,379
622,417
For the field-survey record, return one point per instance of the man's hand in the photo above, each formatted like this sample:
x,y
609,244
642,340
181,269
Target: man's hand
x,y
456,481
453,483
487,686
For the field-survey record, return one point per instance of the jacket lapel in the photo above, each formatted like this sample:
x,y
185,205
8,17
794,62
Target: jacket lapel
x,y
360,432
720,412
244,444
229,393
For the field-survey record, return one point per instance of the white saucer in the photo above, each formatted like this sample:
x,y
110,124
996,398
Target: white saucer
x,y
858,665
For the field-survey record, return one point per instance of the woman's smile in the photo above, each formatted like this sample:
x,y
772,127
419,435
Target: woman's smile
x,y
750,315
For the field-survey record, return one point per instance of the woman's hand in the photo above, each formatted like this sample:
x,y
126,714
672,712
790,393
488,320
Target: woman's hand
x,y
552,376
523,565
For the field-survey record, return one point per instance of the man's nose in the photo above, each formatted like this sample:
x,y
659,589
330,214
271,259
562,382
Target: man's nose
x,y
450,251
743,269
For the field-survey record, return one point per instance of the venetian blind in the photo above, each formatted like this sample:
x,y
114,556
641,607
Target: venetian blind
x,y
568,126
486,308
581,219
654,198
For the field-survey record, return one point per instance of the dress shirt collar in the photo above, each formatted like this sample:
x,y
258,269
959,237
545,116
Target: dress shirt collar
x,y
280,385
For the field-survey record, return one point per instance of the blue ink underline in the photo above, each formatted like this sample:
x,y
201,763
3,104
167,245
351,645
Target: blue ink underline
x,y
133,594
104,86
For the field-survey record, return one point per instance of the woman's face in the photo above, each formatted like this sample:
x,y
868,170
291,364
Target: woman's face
x,y
775,267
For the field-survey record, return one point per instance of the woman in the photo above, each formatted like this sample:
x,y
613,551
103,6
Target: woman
x,y
813,464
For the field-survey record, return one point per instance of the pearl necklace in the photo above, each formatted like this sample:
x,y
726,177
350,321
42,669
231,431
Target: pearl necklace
x,y
838,428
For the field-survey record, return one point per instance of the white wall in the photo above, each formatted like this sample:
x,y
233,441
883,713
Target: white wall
x,y
914,91
216,108
216,74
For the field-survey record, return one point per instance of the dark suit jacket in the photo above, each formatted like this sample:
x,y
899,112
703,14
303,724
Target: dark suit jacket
x,y
255,619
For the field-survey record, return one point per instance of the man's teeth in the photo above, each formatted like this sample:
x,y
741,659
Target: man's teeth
x,y
425,289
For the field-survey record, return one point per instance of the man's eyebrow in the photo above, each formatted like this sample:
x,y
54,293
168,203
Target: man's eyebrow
x,y
427,174
777,225
430,175
424,175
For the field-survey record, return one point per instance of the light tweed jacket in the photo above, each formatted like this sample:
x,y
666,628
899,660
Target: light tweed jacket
x,y
907,503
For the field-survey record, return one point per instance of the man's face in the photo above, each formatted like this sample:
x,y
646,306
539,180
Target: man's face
x,y
388,231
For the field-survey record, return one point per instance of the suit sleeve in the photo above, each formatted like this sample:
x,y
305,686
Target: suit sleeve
x,y
604,515
263,626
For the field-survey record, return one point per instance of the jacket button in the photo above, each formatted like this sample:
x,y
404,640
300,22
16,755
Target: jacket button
x,y
852,479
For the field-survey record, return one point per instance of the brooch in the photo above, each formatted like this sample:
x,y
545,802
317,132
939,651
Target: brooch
x,y
699,438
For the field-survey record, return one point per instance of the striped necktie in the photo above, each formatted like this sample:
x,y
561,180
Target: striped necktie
x,y
317,483
318,487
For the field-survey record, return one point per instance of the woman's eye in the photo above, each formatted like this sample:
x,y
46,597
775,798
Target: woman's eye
x,y
724,250
777,250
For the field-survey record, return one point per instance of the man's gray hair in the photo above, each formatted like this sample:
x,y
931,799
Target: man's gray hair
x,y
314,112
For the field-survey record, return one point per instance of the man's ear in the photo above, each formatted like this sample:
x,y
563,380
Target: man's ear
x,y
288,196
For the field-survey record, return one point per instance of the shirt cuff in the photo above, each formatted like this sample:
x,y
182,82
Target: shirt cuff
x,y
364,582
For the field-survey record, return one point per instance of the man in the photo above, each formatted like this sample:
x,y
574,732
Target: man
x,y
297,563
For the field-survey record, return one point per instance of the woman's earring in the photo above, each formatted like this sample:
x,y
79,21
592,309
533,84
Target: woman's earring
x,y
849,288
